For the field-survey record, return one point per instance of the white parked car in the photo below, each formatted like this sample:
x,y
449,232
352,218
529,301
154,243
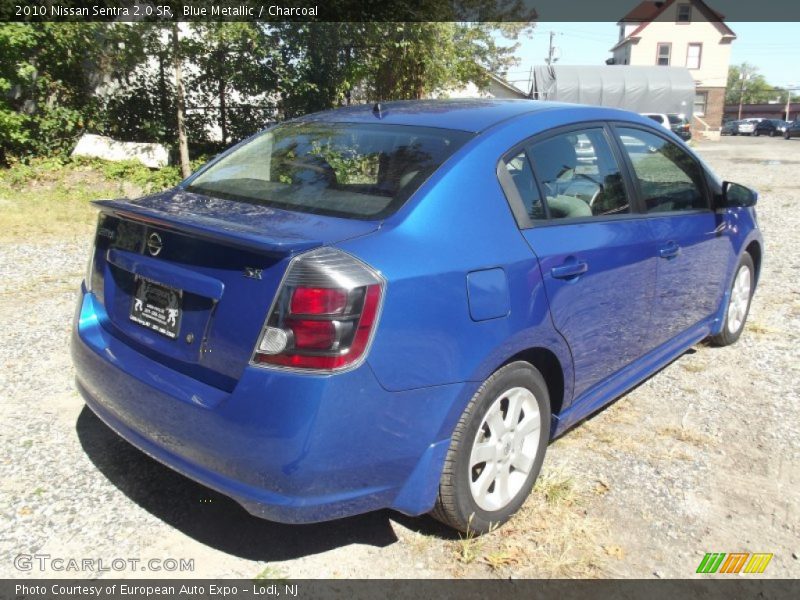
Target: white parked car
x,y
747,126
674,122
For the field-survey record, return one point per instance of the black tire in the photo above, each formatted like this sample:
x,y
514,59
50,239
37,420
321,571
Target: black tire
x,y
455,505
786,135
771,134
726,337
756,133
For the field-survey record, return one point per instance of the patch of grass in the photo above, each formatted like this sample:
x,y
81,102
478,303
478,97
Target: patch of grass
x,y
553,534
758,328
50,198
270,573
556,487
683,434
693,366
504,558
615,440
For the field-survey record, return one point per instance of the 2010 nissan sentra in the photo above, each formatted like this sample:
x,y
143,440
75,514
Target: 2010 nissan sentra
x,y
400,305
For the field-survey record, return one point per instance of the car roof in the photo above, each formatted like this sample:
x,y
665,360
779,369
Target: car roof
x,y
469,114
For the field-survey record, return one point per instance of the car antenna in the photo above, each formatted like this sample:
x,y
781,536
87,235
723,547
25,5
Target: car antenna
x,y
376,110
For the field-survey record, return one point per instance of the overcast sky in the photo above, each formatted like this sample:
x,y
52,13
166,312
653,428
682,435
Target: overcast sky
x,y
773,47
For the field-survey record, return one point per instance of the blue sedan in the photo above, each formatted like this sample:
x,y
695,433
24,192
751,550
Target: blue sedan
x,y
401,305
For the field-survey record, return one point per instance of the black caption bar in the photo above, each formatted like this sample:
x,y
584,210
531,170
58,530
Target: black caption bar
x,y
496,589
370,10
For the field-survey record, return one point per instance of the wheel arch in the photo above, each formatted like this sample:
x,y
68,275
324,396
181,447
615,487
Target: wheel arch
x,y
547,363
754,250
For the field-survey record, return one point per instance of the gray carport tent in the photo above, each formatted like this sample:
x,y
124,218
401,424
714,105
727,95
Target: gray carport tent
x,y
639,89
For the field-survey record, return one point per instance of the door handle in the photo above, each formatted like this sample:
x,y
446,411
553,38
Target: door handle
x,y
572,269
671,250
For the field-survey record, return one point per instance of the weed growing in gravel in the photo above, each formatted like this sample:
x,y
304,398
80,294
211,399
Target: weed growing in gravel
x,y
683,434
271,573
468,546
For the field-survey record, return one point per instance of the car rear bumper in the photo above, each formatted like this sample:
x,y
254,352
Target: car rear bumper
x,y
289,448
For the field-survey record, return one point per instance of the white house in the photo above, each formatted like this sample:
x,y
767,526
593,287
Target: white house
x,y
681,33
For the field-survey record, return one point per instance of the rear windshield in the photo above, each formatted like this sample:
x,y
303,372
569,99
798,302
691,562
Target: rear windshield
x,y
676,120
362,171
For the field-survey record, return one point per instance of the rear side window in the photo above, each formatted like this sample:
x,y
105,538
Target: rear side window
x,y
579,175
519,167
669,179
363,171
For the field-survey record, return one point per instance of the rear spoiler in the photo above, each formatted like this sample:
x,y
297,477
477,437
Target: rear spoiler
x,y
268,241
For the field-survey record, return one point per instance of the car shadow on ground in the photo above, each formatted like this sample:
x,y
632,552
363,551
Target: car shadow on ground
x,y
216,520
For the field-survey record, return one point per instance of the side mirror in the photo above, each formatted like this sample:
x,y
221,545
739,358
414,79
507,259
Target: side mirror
x,y
735,195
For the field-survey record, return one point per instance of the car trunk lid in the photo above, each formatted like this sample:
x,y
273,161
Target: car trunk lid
x,y
188,279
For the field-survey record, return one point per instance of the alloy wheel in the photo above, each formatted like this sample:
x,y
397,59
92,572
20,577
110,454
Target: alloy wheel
x,y
505,448
740,299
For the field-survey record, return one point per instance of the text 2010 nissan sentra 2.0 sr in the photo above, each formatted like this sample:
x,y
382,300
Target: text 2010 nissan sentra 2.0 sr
x,y
401,305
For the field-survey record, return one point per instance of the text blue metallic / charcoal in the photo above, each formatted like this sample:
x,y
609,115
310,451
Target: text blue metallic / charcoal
x,y
466,292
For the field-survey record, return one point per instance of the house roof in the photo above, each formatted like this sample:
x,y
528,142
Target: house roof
x,y
510,87
648,11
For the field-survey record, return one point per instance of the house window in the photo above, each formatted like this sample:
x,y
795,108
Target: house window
x,y
700,103
684,13
662,58
693,53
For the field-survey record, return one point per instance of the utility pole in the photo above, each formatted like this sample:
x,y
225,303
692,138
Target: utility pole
x,y
744,76
789,91
549,58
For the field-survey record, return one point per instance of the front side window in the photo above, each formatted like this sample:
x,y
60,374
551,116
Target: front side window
x,y
363,171
579,175
664,51
669,179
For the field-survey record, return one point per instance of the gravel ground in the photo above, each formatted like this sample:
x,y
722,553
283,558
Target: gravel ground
x,y
702,457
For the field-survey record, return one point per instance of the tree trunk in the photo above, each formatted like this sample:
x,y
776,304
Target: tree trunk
x,y
183,142
162,95
223,112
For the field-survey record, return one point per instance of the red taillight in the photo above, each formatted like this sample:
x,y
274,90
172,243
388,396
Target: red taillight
x,y
318,301
324,315
312,335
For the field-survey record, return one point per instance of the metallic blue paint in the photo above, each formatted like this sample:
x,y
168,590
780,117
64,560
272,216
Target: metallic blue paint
x,y
467,291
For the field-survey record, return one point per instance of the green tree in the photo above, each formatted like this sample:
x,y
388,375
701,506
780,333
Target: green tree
x,y
330,64
752,89
49,77
231,75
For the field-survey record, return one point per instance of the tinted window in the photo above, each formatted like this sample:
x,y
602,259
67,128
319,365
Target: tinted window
x,y
579,175
519,167
341,169
669,178
675,120
656,118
